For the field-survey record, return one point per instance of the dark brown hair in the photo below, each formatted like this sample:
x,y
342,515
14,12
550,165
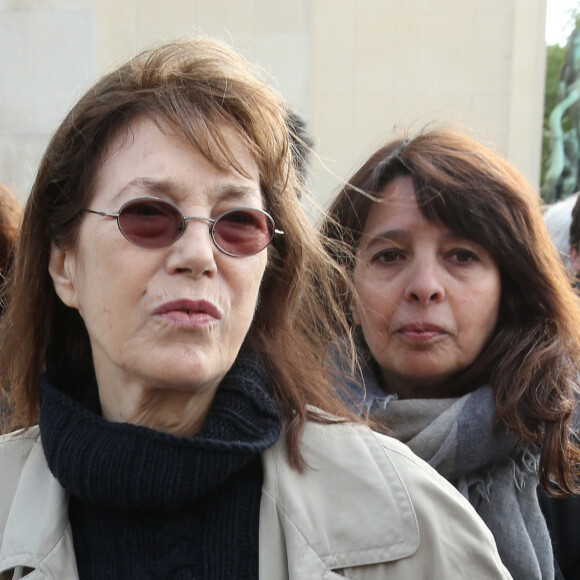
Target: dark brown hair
x,y
531,359
197,85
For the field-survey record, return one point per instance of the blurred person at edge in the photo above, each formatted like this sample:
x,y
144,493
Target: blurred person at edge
x,y
163,342
558,218
10,216
574,241
563,513
468,330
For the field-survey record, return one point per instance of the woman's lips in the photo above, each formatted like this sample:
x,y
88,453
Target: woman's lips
x,y
421,332
192,313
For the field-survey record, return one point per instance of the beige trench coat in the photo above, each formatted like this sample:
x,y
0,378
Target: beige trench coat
x,y
365,508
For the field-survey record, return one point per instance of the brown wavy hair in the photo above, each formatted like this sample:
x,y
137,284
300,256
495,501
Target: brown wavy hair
x,y
198,85
531,359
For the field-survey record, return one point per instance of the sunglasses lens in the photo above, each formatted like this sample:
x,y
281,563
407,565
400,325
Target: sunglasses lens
x,y
243,232
150,223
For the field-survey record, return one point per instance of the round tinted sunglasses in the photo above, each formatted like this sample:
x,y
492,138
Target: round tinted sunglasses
x,y
150,222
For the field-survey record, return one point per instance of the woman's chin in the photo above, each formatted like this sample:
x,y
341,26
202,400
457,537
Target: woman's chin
x,y
424,382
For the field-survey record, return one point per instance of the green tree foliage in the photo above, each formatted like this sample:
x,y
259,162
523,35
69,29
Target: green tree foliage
x,y
555,55
554,60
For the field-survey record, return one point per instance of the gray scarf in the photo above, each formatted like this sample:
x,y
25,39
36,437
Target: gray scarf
x,y
498,477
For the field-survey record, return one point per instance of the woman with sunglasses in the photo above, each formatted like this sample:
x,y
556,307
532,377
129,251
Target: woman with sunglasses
x,y
163,332
468,330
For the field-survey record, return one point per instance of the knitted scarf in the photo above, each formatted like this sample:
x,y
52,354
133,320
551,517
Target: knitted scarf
x,y
146,504
498,477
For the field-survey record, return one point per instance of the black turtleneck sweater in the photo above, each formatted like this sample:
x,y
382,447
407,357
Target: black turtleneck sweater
x,y
150,505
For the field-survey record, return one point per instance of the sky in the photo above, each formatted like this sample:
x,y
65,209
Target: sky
x,y
557,19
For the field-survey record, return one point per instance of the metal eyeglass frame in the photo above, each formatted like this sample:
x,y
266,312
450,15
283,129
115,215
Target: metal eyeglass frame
x,y
211,222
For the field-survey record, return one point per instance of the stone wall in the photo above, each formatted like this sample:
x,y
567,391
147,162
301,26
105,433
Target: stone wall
x,y
357,70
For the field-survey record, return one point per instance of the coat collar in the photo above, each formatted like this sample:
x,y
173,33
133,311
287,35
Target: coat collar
x,y
37,533
349,507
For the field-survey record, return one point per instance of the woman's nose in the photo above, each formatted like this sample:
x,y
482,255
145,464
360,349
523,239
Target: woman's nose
x,y
194,252
425,284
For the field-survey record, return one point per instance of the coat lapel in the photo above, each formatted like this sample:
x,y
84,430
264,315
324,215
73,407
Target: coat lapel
x,y
349,508
37,533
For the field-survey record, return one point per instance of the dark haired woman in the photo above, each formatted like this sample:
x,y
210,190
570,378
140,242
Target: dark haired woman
x,y
469,331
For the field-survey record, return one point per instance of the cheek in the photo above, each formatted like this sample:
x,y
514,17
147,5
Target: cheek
x,y
480,314
99,304
245,282
366,293
491,298
109,287
375,323
375,302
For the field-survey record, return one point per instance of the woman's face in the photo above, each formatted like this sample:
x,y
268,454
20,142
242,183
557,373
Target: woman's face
x,y
428,299
172,318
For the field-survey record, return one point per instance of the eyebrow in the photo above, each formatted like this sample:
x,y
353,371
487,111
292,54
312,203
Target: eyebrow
x,y
175,191
388,235
151,186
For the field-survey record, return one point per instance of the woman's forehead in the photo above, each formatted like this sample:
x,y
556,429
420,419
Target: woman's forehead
x,y
156,159
438,206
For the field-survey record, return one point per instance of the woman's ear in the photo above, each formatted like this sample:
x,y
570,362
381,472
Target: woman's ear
x,y
61,267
